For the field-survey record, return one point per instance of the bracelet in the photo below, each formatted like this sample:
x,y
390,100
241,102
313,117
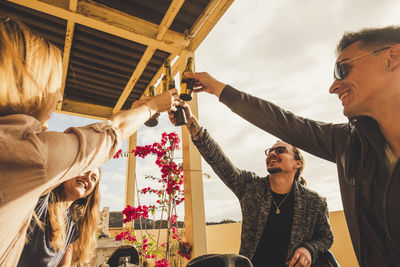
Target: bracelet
x,y
198,133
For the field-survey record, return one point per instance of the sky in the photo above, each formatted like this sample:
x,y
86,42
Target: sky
x,y
282,51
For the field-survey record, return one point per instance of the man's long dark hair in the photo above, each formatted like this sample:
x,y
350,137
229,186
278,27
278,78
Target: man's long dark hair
x,y
298,156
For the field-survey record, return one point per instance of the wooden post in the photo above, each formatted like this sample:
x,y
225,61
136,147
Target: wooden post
x,y
195,223
130,184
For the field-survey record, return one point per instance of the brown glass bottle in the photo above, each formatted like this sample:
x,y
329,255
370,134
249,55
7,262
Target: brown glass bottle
x,y
168,83
187,83
153,121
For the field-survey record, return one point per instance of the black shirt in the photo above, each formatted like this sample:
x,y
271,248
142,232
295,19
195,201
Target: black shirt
x,y
273,246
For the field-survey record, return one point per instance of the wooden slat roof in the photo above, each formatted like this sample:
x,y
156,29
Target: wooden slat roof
x,y
114,49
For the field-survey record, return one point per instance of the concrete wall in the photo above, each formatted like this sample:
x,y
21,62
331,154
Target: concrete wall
x,y
225,238
342,247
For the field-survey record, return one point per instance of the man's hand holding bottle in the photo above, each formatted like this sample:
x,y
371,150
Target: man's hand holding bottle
x,y
204,82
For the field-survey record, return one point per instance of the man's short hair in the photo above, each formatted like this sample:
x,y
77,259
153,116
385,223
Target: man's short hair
x,y
370,38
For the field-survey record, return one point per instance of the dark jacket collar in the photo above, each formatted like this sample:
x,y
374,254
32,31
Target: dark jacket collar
x,y
370,128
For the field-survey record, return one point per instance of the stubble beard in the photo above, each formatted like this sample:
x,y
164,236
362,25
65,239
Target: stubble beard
x,y
274,170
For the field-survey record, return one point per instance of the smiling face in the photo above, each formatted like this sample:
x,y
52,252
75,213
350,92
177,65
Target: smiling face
x,y
283,162
362,90
81,186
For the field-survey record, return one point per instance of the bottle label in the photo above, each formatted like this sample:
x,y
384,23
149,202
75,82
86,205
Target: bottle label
x,y
186,89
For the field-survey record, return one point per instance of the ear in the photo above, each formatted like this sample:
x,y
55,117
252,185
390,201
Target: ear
x,y
394,56
298,164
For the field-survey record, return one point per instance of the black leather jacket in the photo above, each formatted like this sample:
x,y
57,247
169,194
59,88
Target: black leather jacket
x,y
370,195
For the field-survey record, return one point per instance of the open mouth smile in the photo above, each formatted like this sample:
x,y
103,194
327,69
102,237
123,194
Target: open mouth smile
x,y
273,160
343,95
82,184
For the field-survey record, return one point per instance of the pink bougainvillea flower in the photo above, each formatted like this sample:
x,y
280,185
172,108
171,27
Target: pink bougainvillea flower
x,y
162,263
185,250
169,195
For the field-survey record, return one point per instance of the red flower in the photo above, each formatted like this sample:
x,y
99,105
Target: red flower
x,y
173,219
118,154
170,193
132,213
162,263
124,235
185,250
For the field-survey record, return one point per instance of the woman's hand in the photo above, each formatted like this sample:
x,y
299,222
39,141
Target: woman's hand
x,y
128,121
160,103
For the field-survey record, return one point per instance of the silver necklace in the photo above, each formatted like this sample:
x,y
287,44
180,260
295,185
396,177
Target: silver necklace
x,y
277,206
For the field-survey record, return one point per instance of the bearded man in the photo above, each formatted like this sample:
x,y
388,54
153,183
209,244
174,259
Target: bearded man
x,y
284,223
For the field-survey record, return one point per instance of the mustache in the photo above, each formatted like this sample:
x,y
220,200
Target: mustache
x,y
274,157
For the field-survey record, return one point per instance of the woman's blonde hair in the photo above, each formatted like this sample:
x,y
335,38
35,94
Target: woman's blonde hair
x,y
30,71
86,215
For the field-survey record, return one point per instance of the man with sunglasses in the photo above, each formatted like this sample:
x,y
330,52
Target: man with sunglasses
x,y
284,223
366,150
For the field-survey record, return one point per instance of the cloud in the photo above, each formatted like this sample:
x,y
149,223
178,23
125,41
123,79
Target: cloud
x,y
114,201
112,177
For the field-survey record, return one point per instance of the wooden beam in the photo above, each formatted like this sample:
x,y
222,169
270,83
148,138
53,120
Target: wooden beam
x,y
131,23
109,21
60,3
203,17
174,70
69,36
83,109
130,185
134,78
130,179
195,221
157,76
164,26
207,26
169,18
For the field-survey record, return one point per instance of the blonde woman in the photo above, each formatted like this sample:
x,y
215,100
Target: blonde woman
x,y
33,160
66,221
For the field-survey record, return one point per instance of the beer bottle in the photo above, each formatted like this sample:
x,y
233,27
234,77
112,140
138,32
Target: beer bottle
x,y
167,83
153,121
187,83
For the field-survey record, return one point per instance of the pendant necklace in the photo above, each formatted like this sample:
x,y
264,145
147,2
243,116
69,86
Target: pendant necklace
x,y
278,211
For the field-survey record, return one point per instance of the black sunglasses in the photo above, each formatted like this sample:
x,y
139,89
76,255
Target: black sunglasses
x,y
341,71
278,150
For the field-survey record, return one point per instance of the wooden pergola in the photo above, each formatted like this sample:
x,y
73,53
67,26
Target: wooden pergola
x,y
113,52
